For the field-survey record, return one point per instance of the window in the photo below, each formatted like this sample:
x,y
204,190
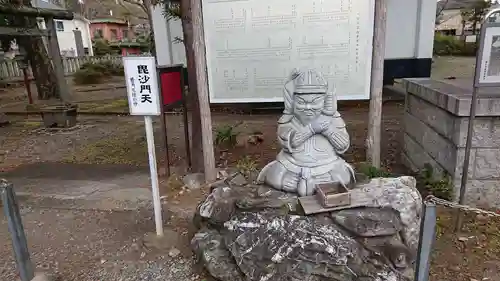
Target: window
x,y
114,34
125,33
59,25
98,33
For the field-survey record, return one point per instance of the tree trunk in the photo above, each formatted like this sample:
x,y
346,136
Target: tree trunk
x,y
196,135
36,53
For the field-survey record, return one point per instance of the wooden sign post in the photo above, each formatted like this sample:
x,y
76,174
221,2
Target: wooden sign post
x,y
376,84
202,84
144,99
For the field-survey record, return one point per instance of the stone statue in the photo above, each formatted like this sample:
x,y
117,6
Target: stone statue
x,y
312,135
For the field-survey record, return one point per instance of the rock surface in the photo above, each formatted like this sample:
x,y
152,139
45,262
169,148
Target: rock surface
x,y
257,233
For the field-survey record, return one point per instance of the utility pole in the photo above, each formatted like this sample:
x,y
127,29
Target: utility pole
x,y
202,86
377,84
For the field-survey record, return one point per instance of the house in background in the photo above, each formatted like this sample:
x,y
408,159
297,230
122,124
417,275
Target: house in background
x,y
450,21
111,29
120,35
74,36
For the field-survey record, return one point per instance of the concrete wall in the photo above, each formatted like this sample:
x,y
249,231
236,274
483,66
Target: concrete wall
x,y
66,37
435,132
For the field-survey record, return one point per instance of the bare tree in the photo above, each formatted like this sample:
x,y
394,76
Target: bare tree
x,y
441,5
466,15
479,10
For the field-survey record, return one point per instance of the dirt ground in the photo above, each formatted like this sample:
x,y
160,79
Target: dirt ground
x,y
94,245
468,256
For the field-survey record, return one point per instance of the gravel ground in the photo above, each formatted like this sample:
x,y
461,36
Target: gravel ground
x,y
90,245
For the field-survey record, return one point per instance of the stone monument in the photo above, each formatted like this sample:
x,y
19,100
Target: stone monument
x,y
256,232
312,135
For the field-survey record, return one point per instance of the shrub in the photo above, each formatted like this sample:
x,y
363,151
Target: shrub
x,y
373,172
226,135
447,45
92,73
438,186
87,76
101,47
246,166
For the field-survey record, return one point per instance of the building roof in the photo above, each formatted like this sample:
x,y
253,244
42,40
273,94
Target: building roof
x,y
109,20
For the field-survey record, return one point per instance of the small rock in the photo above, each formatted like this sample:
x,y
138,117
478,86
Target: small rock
x,y
135,247
143,254
174,252
103,261
42,277
481,217
194,181
255,139
238,180
3,120
463,239
456,268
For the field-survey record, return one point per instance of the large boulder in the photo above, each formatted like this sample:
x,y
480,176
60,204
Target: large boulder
x,y
257,233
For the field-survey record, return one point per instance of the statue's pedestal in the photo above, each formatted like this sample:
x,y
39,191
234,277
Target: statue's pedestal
x,y
436,122
255,233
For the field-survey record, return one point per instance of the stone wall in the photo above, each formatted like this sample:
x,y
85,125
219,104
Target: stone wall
x,y
435,132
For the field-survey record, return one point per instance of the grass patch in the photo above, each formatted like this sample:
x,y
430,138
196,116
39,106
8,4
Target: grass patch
x,y
119,105
31,124
112,150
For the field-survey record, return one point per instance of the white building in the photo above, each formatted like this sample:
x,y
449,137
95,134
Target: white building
x,y
252,45
74,36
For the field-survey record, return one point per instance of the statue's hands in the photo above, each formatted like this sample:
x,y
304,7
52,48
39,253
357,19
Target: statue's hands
x,y
320,125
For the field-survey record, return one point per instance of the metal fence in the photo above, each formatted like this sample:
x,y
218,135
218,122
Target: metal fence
x,y
10,70
16,229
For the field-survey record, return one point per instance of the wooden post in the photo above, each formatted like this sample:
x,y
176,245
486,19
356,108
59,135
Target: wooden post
x,y
377,84
202,86
57,63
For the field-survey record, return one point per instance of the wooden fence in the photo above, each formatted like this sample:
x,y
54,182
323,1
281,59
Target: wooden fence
x,y
10,70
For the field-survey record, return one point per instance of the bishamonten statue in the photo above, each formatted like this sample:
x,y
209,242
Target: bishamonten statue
x,y
312,136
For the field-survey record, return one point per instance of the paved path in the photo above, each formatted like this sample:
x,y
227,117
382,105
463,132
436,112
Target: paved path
x,y
100,186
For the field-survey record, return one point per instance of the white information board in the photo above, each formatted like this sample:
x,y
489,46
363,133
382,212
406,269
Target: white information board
x,y
489,57
253,45
142,85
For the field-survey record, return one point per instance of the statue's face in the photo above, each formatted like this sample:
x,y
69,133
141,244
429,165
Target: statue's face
x,y
307,107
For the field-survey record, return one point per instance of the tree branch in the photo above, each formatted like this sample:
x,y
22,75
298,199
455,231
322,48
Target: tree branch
x,y
138,3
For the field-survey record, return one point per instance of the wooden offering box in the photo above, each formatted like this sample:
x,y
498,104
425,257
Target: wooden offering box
x,y
333,195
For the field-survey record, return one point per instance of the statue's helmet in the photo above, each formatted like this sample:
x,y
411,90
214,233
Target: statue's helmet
x,y
310,82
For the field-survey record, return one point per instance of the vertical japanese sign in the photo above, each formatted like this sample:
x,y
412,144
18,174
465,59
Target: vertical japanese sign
x,y
142,85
